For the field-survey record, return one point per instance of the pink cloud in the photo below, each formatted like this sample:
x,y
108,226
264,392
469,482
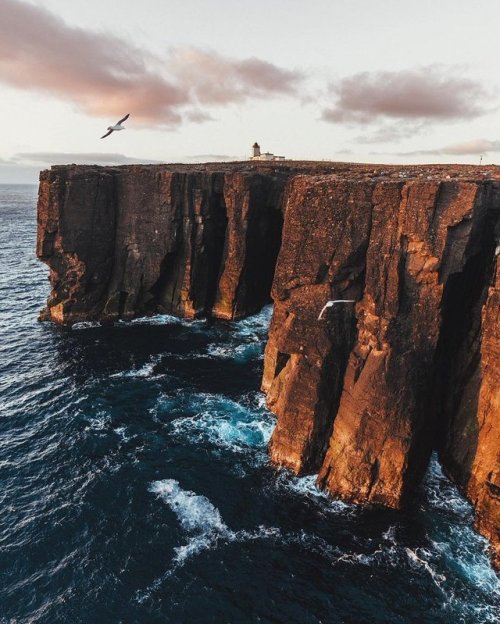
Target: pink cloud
x,y
107,76
428,93
212,79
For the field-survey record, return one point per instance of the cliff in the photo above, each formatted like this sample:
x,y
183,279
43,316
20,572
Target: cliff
x,y
128,241
362,396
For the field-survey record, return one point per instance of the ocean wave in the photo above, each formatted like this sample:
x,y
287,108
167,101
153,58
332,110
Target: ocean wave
x,y
305,487
145,371
165,319
122,432
99,421
205,530
240,353
223,422
420,558
442,494
222,351
465,552
254,326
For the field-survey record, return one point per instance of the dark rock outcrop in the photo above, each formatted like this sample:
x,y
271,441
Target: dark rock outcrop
x,y
127,241
362,396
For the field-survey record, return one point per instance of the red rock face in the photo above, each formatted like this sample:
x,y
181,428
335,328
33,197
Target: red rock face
x,y
484,484
390,374
322,257
128,241
469,445
365,395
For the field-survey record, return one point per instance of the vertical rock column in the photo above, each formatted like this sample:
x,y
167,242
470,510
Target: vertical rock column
x,y
254,208
483,487
76,238
194,222
326,231
383,432
469,402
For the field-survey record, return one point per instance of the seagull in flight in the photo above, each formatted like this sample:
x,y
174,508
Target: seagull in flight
x,y
329,304
117,126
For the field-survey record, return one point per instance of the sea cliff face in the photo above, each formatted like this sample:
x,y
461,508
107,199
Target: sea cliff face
x,y
128,241
363,395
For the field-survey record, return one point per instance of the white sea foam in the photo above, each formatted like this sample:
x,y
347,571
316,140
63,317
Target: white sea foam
x,y
165,319
242,352
442,494
197,516
100,421
144,371
205,530
85,325
225,423
122,433
305,487
419,558
456,542
466,552
223,351
256,325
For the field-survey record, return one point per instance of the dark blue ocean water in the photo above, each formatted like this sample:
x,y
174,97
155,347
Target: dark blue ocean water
x,y
134,485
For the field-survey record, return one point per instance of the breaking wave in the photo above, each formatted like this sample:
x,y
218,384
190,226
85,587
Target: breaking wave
x,y
223,422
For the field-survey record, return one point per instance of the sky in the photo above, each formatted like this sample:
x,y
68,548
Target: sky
x,y
392,81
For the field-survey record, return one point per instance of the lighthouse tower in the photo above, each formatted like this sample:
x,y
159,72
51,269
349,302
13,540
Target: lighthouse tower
x,y
255,150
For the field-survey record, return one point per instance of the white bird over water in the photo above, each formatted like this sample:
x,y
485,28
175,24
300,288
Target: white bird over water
x,y
329,304
117,126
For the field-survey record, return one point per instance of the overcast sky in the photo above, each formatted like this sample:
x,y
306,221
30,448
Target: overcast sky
x,y
353,80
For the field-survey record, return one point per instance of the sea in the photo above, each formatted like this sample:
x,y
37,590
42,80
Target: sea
x,y
135,485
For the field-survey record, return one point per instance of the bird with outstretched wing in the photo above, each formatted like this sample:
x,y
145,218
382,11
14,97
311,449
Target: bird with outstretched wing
x,y
116,127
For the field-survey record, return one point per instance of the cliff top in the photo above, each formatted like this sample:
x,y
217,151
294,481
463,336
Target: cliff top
x,y
353,170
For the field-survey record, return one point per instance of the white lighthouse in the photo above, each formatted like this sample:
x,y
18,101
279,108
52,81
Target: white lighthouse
x,y
256,154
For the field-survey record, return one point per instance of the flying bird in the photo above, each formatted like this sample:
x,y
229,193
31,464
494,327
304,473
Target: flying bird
x,y
117,126
329,304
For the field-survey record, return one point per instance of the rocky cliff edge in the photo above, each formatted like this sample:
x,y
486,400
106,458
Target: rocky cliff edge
x,y
364,394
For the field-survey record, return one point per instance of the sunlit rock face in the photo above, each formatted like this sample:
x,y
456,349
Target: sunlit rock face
x,y
364,394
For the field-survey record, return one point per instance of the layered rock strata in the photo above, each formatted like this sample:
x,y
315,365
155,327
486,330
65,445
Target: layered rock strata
x,y
363,395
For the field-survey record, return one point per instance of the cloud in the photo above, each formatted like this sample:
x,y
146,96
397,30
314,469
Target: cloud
x,y
477,147
391,133
423,94
197,116
108,76
213,79
62,158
